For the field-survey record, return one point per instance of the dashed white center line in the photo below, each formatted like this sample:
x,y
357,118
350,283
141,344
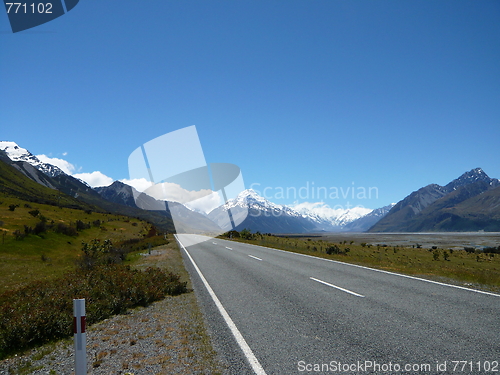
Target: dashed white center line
x,y
215,243
228,248
251,256
337,287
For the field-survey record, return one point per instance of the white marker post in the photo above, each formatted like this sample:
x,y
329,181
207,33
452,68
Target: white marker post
x,y
80,336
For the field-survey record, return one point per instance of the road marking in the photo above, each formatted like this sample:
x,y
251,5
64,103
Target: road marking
x,y
228,248
337,287
383,271
254,362
215,243
251,256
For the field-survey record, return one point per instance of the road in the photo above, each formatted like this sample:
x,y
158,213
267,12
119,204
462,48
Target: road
x,y
276,312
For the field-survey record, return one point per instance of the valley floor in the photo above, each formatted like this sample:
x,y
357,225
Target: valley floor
x,y
444,240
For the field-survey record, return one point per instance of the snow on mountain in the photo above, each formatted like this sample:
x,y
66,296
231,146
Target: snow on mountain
x,y
250,210
366,222
304,216
251,200
16,153
470,177
321,213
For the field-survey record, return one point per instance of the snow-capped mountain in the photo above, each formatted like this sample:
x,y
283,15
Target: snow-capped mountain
x,y
364,223
328,218
258,214
265,216
251,200
16,153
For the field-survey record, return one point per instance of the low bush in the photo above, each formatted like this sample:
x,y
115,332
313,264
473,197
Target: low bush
x,y
335,249
66,230
492,250
43,311
80,225
34,213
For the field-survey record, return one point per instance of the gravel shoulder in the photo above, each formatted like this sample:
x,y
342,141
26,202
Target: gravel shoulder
x,y
167,337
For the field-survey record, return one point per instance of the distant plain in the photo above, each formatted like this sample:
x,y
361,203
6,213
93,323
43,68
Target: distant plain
x,y
443,240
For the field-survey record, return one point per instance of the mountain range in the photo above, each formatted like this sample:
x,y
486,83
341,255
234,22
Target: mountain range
x,y
468,203
29,179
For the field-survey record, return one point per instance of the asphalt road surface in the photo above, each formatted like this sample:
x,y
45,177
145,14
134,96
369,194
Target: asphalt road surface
x,y
276,312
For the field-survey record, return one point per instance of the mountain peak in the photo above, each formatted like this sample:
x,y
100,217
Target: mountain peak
x,y
250,198
249,193
15,152
19,154
475,172
470,177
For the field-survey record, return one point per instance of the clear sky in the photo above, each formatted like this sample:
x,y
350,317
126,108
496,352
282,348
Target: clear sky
x,y
391,95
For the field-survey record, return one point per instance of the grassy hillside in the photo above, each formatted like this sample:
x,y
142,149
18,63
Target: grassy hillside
x,y
26,256
13,183
56,246
72,193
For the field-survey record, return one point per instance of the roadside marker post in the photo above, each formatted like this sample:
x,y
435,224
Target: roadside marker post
x,y
79,323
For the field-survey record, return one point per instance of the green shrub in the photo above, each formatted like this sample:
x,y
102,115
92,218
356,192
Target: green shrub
x,y
66,230
80,225
19,235
435,254
332,250
492,250
335,249
231,234
43,311
40,227
246,234
34,213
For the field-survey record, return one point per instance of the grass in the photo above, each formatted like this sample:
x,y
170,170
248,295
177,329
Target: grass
x,y
40,269
50,255
175,323
475,269
42,311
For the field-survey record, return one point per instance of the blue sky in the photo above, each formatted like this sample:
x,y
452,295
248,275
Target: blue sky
x,y
387,94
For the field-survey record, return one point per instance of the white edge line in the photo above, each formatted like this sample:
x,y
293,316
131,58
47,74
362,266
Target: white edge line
x,y
254,362
383,271
251,256
337,287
